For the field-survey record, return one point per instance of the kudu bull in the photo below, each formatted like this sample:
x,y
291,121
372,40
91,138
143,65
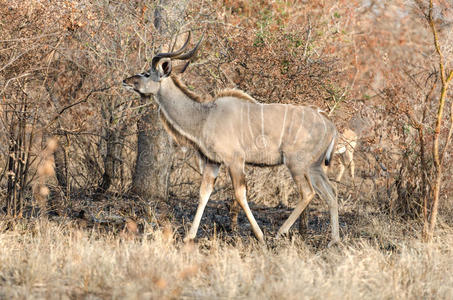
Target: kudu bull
x,y
233,131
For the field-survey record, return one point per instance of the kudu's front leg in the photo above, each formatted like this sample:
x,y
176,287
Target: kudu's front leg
x,y
240,191
210,172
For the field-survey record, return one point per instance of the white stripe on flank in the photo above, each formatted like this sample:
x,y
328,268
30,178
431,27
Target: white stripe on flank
x,y
242,124
262,120
290,129
283,127
323,122
301,125
324,133
250,126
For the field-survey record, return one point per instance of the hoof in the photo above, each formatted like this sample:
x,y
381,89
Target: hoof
x,y
260,239
280,235
333,243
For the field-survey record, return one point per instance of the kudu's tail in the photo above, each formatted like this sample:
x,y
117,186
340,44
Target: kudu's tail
x,y
329,152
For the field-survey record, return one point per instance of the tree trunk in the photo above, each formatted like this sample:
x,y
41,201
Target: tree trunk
x,y
61,167
109,162
154,153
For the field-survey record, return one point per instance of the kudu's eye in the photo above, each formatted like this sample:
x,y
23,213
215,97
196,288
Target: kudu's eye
x,y
146,75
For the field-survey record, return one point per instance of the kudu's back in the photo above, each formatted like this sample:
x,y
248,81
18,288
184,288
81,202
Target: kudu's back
x,y
266,134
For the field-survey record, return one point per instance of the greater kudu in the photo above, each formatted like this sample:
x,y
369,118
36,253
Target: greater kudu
x,y
235,132
345,150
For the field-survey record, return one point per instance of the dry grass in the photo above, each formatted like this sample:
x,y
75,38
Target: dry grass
x,y
43,259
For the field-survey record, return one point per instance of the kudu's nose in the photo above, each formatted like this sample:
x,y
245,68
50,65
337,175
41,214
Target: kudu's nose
x,y
127,85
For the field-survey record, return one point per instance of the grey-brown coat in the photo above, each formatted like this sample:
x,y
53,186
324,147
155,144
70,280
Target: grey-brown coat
x,y
235,132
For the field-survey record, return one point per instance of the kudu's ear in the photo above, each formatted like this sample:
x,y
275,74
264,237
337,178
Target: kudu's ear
x,y
164,67
181,68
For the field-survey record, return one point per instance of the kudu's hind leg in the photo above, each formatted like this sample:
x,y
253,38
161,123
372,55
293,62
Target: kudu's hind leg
x,y
326,191
349,161
306,195
234,213
210,172
303,220
341,167
240,191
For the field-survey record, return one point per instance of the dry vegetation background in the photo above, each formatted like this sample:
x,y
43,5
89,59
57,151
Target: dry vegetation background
x,y
70,225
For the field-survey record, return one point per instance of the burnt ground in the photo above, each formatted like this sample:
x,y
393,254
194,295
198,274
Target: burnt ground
x,y
112,213
361,213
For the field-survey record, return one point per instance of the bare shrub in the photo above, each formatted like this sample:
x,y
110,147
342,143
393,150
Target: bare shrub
x,y
61,65
416,97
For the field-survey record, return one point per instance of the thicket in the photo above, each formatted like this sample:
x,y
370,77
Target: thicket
x,y
62,63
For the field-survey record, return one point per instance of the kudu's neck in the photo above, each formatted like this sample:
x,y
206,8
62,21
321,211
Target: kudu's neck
x,y
184,114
